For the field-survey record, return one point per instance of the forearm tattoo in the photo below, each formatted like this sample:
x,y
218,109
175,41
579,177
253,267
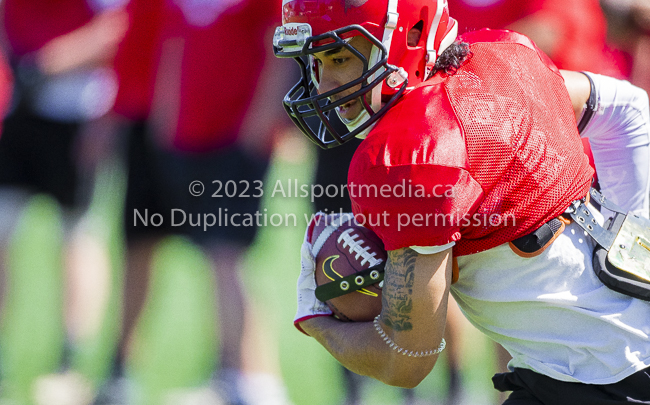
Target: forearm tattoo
x,y
397,294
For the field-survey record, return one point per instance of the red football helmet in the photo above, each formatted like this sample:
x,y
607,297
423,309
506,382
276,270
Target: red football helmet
x,y
312,26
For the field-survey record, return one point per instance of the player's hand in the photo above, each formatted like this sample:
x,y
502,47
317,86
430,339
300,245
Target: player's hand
x,y
308,305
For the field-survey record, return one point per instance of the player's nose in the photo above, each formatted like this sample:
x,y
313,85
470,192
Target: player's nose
x,y
328,81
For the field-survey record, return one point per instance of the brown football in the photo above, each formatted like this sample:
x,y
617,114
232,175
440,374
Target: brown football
x,y
343,247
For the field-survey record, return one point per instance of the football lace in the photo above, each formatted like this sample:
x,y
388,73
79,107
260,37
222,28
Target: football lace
x,y
329,229
352,242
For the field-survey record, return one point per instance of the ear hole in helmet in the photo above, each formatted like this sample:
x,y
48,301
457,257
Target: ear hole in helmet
x,y
315,69
415,34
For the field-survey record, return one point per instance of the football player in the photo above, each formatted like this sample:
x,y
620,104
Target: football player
x,y
488,117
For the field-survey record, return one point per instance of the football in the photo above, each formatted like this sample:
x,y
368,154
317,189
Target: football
x,y
342,247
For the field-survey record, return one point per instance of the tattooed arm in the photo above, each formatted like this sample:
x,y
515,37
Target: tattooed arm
x,y
414,311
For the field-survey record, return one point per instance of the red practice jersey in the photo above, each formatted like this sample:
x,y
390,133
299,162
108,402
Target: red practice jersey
x,y
480,157
137,57
202,60
223,55
30,24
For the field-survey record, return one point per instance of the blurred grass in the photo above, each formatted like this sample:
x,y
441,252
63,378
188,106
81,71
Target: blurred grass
x,y
176,344
32,333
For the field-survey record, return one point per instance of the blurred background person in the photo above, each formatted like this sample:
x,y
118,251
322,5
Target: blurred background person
x,y
197,101
572,33
60,52
629,36
6,86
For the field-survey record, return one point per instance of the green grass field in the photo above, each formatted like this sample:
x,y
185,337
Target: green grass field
x,y
175,345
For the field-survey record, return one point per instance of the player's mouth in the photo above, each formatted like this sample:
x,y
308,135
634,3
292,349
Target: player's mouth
x,y
348,110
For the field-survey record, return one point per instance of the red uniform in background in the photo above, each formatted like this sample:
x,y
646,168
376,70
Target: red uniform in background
x,y
220,73
30,24
135,60
6,88
579,26
579,29
211,88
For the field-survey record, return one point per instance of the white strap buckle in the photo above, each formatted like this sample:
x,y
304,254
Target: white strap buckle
x,y
391,21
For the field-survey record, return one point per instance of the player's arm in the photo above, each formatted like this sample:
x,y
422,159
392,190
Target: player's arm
x,y
579,89
92,44
414,310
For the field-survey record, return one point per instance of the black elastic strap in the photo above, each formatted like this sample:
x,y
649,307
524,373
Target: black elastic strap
x,y
351,283
537,239
592,106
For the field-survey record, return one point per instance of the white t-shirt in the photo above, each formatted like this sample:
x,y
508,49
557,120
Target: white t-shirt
x,y
619,134
553,314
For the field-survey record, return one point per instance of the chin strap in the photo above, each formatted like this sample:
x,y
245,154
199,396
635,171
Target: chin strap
x,y
391,23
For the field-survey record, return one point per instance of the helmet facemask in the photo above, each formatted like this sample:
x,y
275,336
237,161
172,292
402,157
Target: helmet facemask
x,y
311,111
